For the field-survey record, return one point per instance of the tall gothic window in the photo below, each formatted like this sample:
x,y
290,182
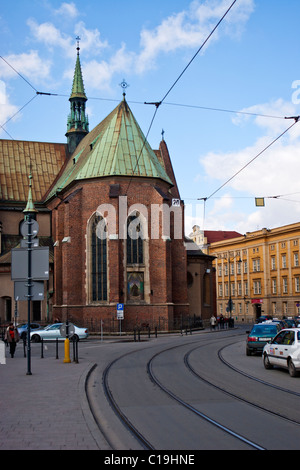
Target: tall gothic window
x,y
135,251
98,260
135,259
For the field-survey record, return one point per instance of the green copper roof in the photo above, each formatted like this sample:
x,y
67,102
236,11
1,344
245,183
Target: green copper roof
x,y
116,147
78,87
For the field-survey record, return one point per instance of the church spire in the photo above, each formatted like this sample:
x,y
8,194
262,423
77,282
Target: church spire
x,y
78,125
30,209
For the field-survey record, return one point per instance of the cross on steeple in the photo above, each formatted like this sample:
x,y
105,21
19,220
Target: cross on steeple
x,y
78,48
124,85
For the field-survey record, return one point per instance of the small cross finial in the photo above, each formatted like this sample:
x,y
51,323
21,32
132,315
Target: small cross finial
x,y
124,85
78,48
162,134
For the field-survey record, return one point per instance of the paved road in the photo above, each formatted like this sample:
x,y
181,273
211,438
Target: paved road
x,y
49,409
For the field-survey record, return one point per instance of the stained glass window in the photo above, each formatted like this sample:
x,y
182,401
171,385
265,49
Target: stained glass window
x,y
99,260
135,252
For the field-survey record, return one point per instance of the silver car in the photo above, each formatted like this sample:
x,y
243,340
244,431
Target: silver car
x,y
284,351
53,332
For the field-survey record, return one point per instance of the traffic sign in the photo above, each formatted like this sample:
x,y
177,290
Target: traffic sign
x,y
63,330
25,225
21,290
39,263
120,311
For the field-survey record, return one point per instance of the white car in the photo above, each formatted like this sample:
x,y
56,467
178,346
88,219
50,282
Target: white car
x,y
51,332
284,351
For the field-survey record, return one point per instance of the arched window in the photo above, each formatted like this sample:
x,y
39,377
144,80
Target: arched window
x,y
135,246
98,259
135,258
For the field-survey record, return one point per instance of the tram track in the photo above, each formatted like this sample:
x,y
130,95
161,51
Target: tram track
x,y
256,379
197,412
136,430
239,397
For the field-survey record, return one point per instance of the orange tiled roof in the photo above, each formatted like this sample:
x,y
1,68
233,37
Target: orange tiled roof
x,y
47,159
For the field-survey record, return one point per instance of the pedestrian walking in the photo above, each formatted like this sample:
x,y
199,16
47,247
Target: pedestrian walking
x,y
12,338
213,322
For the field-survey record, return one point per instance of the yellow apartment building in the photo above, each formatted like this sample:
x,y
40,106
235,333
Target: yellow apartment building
x,y
258,274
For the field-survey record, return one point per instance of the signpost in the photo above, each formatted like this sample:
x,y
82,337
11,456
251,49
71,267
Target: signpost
x,y
29,268
120,315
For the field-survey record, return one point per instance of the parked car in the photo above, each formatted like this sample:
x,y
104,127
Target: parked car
x,y
290,323
51,332
282,323
284,351
22,329
263,318
260,335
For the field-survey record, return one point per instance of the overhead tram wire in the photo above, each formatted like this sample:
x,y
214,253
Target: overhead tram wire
x,y
296,118
195,55
158,103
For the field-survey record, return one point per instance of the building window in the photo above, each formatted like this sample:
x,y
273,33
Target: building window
x,y
220,290
245,267
273,262
296,259
98,260
135,251
297,284
285,308
239,288
256,265
232,289
274,286
257,287
283,259
136,259
285,285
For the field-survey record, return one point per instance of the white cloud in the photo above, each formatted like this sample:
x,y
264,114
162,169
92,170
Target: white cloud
x,y
98,75
49,35
186,29
28,64
67,9
90,40
7,110
274,173
189,28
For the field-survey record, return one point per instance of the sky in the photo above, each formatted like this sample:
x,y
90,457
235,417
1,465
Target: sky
x,y
223,120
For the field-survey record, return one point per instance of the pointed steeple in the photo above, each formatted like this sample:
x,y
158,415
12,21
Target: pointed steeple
x,y
78,125
30,209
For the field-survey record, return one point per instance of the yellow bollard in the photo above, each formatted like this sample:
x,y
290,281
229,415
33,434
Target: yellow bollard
x,y
67,350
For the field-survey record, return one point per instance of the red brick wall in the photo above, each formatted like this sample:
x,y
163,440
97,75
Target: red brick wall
x,y
167,258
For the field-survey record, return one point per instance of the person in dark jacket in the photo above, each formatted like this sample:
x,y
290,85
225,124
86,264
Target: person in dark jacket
x,y
12,338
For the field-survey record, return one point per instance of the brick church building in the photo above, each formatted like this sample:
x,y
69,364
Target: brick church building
x,y
109,209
